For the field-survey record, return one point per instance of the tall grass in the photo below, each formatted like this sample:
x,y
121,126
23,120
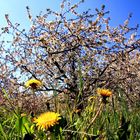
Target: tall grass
x,y
114,120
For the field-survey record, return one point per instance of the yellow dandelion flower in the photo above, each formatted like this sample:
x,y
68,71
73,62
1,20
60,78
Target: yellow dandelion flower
x,y
47,120
104,92
33,83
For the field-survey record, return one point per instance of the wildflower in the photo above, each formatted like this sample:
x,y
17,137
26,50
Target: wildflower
x,y
104,92
77,110
23,115
91,98
33,83
47,120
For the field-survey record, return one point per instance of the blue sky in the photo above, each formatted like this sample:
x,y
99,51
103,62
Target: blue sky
x,y
119,9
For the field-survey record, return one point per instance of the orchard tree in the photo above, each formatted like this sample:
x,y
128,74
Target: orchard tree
x,y
73,54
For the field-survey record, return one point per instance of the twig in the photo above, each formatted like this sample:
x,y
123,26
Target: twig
x,y
78,132
92,121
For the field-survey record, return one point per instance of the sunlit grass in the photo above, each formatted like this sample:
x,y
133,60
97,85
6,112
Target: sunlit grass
x,y
99,120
